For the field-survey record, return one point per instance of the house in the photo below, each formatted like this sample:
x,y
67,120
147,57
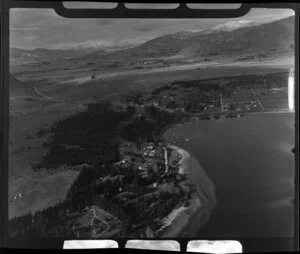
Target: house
x,y
113,180
144,175
152,153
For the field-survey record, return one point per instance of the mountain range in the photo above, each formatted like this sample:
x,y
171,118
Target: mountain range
x,y
231,37
21,56
275,35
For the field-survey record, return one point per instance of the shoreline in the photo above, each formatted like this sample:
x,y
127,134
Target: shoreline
x,y
203,200
188,223
196,117
223,209
205,194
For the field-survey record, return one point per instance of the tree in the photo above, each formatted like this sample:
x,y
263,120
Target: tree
x,y
28,137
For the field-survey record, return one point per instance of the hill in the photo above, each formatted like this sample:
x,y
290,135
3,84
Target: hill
x,y
19,89
236,37
277,35
22,56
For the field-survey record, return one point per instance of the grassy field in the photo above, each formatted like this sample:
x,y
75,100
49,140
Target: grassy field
x,y
39,190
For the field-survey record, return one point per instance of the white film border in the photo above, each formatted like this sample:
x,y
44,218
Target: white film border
x,y
90,244
198,246
168,245
203,246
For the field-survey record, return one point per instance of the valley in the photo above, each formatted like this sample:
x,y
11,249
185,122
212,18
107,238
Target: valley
x,y
93,124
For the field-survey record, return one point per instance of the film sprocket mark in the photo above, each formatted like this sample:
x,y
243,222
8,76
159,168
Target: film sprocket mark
x,y
104,114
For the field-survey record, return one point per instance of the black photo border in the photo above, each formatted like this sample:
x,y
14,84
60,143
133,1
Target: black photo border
x,y
182,12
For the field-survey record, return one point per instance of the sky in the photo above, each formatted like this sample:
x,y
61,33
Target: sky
x,y
43,28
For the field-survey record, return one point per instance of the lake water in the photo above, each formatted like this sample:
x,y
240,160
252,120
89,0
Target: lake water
x,y
249,159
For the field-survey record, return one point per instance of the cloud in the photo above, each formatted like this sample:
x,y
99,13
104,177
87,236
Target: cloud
x,y
145,28
98,44
30,38
25,29
31,17
150,25
105,22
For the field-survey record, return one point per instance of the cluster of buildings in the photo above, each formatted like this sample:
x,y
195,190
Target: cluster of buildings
x,y
153,158
150,150
247,105
163,107
147,161
17,196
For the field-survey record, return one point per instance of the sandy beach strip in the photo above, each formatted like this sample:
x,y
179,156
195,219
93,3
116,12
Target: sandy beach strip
x,y
183,162
189,221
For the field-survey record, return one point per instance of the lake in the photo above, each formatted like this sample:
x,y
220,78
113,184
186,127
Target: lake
x,y
250,162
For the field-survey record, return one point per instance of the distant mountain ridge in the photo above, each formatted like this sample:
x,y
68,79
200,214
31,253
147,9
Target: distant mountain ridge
x,y
226,39
230,37
21,56
41,54
277,35
274,35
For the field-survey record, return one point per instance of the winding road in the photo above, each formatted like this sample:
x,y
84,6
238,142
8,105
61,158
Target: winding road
x,y
103,221
258,101
43,95
166,160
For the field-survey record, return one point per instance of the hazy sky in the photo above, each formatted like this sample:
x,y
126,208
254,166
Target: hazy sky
x,y
33,28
